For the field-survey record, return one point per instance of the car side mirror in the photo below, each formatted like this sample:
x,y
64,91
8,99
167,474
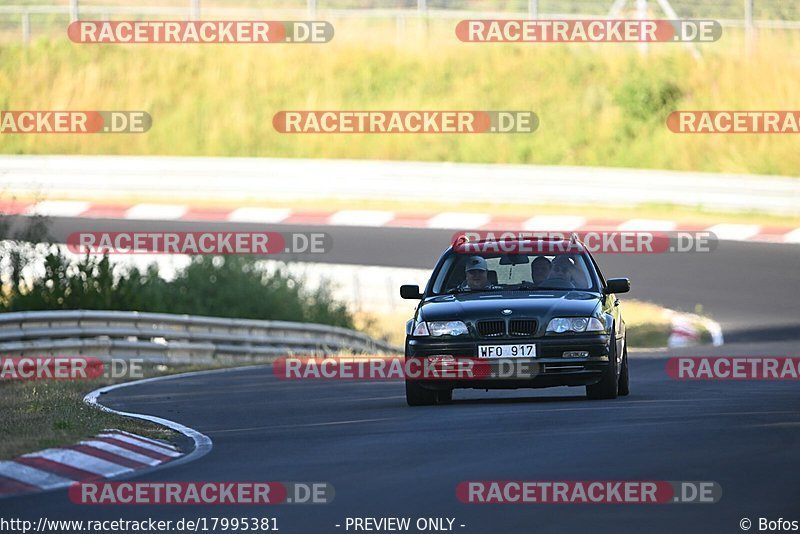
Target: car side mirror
x,y
618,285
410,292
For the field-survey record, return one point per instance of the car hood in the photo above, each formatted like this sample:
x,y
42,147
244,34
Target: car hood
x,y
539,304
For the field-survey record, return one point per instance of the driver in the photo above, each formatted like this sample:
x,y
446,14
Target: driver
x,y
540,269
477,275
561,271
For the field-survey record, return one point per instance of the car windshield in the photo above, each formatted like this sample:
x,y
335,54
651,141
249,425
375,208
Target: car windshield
x,y
514,272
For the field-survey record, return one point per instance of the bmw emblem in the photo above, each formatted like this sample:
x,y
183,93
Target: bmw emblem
x,y
506,312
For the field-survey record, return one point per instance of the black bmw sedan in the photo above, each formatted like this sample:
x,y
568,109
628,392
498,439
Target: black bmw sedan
x,y
530,314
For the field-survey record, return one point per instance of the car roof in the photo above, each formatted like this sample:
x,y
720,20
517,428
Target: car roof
x,y
554,245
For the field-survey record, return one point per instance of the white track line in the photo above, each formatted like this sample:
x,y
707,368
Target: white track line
x,y
554,223
361,218
647,225
142,438
31,475
456,220
58,208
121,451
149,446
735,232
259,215
792,237
156,212
202,443
81,460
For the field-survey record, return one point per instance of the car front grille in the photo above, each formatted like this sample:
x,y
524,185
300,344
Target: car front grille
x,y
491,328
522,327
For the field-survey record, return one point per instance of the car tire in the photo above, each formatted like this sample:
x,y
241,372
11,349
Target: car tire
x,y
623,388
417,395
444,396
606,388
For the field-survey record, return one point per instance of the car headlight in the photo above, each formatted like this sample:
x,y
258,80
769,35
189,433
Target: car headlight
x,y
560,325
440,328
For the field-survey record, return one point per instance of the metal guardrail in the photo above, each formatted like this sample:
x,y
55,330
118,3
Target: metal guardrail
x,y
192,13
196,9
184,180
161,337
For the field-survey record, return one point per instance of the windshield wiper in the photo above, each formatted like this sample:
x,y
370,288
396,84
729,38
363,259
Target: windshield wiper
x,y
467,290
525,285
551,288
455,290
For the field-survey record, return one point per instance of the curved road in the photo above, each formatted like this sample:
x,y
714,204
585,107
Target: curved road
x,y
385,459
751,288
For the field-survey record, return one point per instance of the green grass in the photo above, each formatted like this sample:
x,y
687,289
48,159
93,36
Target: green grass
x,y
646,324
598,104
51,413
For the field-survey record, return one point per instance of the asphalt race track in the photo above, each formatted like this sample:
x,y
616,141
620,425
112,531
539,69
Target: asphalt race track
x,y
385,459
751,288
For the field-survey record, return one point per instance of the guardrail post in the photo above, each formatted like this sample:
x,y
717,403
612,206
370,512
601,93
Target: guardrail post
x,y
672,15
400,29
748,25
422,13
641,14
73,10
26,28
357,292
195,10
312,9
533,9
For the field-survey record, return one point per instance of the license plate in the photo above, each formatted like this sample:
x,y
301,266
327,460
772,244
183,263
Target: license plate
x,y
507,351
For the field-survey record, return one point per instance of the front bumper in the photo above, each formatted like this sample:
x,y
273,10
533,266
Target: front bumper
x,y
548,369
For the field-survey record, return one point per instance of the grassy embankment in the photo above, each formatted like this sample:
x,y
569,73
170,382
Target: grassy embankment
x,y
51,413
598,104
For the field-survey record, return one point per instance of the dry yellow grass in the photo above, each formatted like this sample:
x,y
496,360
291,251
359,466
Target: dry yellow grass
x,y
598,104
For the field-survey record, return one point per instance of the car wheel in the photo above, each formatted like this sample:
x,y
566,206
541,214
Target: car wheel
x,y
417,395
623,388
607,387
444,396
